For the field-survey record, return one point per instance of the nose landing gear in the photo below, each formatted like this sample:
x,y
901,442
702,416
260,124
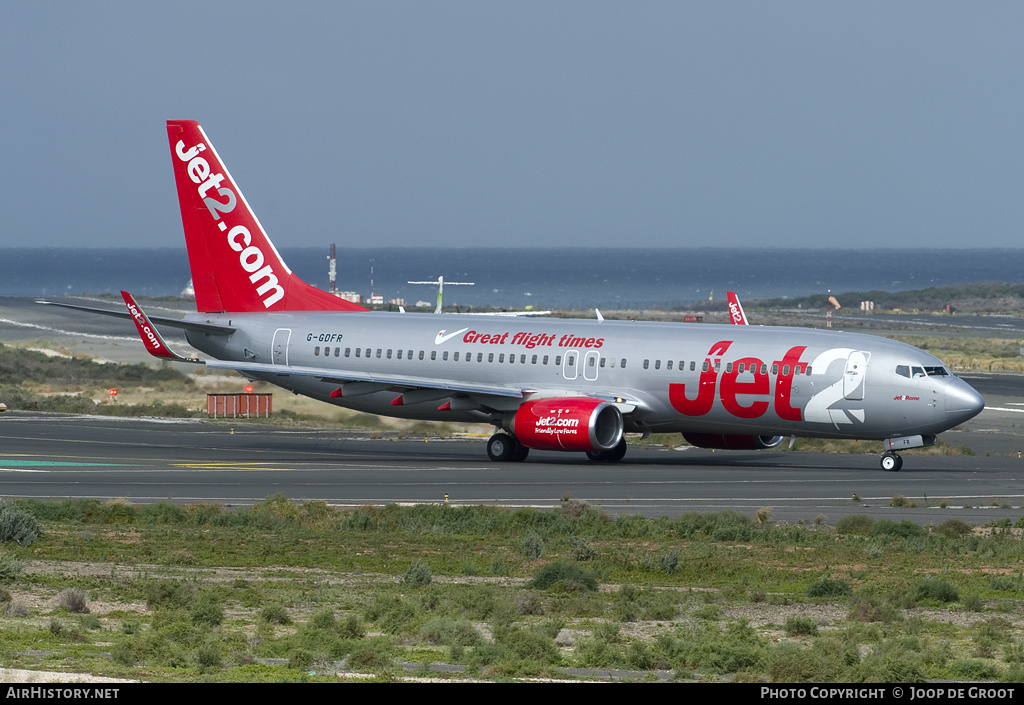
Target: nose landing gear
x,y
891,462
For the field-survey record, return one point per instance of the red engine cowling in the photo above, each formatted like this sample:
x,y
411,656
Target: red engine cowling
x,y
567,423
725,441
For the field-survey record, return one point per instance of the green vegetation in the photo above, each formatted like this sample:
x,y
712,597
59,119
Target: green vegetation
x,y
287,591
33,381
986,297
986,354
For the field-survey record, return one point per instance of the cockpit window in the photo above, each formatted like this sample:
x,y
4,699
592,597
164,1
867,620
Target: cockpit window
x,y
917,372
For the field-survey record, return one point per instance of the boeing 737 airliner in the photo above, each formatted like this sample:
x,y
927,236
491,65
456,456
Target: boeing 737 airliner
x,y
546,384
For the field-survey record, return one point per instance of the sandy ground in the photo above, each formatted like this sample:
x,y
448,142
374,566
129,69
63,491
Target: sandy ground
x,y
20,675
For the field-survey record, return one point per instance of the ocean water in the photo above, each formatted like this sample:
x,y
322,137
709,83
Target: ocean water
x,y
542,278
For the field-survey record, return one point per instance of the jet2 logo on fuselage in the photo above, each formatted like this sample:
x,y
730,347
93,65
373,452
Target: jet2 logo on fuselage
x,y
754,386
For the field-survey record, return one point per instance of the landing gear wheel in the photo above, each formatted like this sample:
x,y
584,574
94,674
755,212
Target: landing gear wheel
x,y
609,456
617,453
500,447
891,462
520,452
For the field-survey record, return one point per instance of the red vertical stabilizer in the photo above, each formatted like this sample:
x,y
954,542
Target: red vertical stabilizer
x,y
235,266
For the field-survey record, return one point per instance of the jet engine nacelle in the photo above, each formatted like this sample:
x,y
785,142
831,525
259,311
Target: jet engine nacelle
x,y
567,423
726,441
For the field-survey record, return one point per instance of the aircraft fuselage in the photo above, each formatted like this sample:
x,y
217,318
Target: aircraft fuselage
x,y
667,377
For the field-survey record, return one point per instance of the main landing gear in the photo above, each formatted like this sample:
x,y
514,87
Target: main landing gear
x,y
506,448
891,462
503,448
609,456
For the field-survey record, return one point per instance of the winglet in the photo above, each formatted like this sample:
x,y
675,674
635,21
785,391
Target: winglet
x,y
736,314
155,344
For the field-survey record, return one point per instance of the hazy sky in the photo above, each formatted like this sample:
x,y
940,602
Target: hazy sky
x,y
639,124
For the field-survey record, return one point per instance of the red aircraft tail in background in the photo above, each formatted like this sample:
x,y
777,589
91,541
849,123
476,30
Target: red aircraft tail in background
x,y
234,265
736,314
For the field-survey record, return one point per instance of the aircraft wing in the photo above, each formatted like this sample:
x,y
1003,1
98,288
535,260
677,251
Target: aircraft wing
x,y
211,328
364,383
510,314
355,382
384,380
156,346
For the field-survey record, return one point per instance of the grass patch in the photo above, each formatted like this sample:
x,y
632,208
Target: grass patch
x,y
314,585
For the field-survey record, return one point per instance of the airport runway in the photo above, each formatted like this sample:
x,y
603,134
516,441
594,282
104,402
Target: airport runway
x,y
151,460
56,456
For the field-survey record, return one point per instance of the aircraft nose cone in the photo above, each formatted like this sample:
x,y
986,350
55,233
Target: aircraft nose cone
x,y
962,401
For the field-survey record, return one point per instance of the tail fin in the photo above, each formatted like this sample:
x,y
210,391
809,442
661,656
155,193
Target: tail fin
x,y
736,314
234,264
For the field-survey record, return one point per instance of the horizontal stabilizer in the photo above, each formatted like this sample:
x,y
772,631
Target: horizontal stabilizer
x,y
209,328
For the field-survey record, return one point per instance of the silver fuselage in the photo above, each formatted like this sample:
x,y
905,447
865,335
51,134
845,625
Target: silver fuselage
x,y
668,377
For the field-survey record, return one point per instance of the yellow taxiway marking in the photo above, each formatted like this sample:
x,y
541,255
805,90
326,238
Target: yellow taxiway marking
x,y
200,465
